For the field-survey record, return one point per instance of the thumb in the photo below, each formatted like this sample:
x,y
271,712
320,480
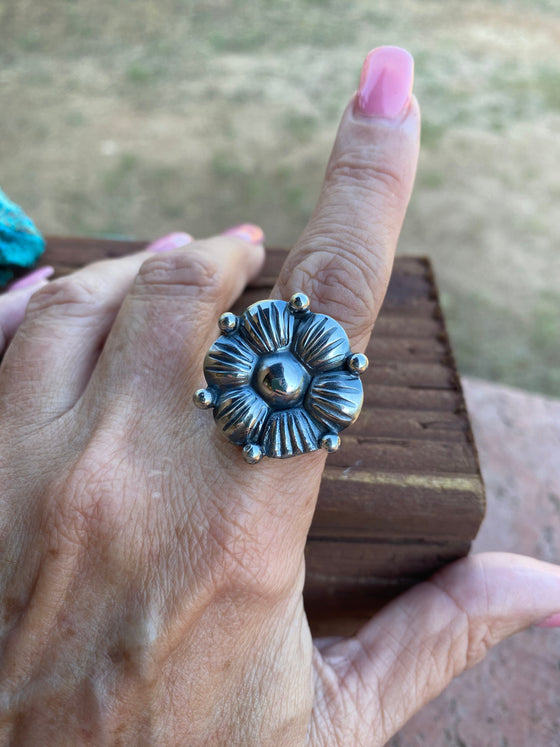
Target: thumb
x,y
416,645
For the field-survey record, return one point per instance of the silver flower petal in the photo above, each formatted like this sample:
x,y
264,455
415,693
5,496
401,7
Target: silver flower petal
x,y
229,362
241,415
335,399
320,343
290,432
267,326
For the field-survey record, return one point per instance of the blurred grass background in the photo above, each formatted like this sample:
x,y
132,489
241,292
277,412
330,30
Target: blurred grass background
x,y
138,118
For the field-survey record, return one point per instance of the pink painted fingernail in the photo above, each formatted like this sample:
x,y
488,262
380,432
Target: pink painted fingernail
x,y
170,242
247,232
32,278
385,82
550,622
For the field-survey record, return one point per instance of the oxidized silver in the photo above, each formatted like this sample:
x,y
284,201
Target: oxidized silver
x,y
282,380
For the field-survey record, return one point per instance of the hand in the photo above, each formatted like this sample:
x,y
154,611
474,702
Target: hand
x,y
151,580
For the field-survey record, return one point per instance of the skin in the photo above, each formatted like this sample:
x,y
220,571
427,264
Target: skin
x,y
150,580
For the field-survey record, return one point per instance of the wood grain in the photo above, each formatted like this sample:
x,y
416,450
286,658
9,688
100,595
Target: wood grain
x,y
404,495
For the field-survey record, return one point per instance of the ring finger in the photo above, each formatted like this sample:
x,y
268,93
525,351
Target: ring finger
x,y
344,257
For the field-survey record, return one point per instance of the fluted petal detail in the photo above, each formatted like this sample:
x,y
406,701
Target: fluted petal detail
x,y
321,343
229,362
289,433
267,326
241,414
335,399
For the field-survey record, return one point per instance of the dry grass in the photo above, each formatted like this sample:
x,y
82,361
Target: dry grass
x,y
137,118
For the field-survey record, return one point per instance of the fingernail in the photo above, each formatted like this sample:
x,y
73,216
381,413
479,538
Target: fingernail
x,y
550,622
170,242
247,232
32,278
385,82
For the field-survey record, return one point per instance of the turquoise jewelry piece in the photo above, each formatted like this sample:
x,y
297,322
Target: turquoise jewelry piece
x,y
282,380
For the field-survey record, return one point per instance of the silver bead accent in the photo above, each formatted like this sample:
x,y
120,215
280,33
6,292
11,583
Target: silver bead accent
x,y
358,363
330,442
282,380
203,399
252,453
228,323
299,303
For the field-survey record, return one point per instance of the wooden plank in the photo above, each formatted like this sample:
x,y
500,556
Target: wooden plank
x,y
68,252
361,502
403,326
402,455
407,349
426,425
403,373
407,288
411,265
414,398
371,563
421,308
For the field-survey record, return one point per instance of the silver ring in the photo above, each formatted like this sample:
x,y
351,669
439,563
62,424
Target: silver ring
x,y
282,380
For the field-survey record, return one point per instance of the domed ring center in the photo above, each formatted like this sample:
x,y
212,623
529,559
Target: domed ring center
x,y
281,380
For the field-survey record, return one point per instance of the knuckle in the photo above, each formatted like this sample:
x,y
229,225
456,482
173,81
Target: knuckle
x,y
187,273
363,169
342,284
71,295
91,508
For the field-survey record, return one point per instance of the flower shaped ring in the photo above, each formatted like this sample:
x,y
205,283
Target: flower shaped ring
x,y
282,380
